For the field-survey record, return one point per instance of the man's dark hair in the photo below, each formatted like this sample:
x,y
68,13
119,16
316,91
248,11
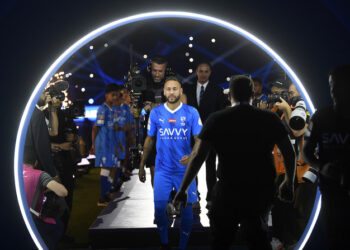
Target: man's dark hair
x,y
204,62
257,79
340,74
159,60
173,78
29,156
241,88
112,87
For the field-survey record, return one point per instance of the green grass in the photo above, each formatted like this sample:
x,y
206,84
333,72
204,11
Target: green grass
x,y
85,209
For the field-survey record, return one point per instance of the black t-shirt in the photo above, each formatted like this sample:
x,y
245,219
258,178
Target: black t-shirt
x,y
65,125
332,134
243,137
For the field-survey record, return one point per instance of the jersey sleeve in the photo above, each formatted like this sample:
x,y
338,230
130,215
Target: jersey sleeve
x,y
152,126
101,117
196,123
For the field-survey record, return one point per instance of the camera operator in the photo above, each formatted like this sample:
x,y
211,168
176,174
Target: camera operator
x,y
290,228
152,97
40,129
330,132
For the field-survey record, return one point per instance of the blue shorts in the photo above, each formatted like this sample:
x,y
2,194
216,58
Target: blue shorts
x,y
105,160
164,182
122,139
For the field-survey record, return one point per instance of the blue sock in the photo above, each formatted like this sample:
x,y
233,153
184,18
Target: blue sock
x,y
186,225
161,220
116,177
105,184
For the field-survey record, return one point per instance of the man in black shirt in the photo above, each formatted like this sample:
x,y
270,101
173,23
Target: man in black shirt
x,y
330,134
245,190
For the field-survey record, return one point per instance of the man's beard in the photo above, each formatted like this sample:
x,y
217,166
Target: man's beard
x,y
177,98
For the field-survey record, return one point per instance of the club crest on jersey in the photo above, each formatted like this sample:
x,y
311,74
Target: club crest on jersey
x,y
172,120
183,119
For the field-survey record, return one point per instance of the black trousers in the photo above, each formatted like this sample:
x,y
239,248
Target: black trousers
x,y
230,209
335,210
210,173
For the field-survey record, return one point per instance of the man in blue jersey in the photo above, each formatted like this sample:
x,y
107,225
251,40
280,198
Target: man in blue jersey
x,y
103,142
172,123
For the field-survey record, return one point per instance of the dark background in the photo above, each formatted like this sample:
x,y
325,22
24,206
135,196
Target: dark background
x,y
312,36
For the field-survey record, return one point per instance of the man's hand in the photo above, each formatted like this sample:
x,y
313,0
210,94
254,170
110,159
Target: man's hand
x,y
55,148
283,105
47,98
66,146
286,191
180,199
184,160
142,173
148,106
56,103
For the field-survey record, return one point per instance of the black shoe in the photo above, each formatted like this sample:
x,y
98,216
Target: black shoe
x,y
165,246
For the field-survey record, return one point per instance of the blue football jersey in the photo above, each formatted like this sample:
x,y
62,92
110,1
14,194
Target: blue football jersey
x,y
173,129
122,115
104,141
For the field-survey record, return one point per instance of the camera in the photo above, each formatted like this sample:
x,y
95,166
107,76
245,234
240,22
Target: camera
x,y
56,90
273,98
138,82
298,115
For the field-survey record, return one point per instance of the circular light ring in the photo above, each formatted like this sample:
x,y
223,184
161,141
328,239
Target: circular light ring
x,y
20,140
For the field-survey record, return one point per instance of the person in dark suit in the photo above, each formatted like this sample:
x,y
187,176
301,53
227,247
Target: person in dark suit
x,y
207,97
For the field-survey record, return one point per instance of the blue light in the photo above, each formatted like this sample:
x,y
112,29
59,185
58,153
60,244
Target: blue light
x,y
20,140
91,101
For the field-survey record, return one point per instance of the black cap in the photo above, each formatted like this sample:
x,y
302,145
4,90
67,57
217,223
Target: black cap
x,y
282,84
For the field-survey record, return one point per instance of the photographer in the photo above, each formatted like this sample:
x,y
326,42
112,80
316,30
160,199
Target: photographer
x,y
295,118
39,130
330,138
62,147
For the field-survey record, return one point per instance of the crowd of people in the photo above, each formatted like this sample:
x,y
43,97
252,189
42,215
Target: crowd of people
x,y
258,163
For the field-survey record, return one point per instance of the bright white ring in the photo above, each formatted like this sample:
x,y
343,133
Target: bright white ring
x,y
20,140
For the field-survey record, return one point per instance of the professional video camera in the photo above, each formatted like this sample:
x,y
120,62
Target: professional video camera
x,y
57,88
138,82
298,116
273,98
